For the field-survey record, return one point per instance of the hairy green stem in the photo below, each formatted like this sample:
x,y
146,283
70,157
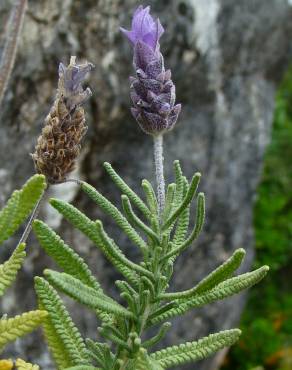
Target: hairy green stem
x,y
158,160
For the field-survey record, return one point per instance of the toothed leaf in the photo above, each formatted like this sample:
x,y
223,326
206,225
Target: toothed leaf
x,y
63,255
88,227
9,269
127,190
6,365
194,351
22,365
223,290
217,276
61,325
112,211
84,294
20,205
143,362
16,327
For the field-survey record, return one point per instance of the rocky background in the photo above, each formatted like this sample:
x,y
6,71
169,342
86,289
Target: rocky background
x,y
227,58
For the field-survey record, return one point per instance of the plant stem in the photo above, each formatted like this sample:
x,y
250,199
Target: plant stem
x,y
158,160
75,181
33,216
8,56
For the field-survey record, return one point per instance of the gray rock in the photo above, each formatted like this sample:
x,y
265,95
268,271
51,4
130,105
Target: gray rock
x,y
227,58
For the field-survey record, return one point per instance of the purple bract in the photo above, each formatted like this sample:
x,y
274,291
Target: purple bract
x,y
144,28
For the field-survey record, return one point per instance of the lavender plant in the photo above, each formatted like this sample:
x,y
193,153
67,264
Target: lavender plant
x,y
158,225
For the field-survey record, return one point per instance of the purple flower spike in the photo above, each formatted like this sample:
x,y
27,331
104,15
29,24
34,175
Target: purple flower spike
x,y
152,90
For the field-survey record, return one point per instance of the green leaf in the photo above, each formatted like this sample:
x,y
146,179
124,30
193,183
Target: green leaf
x,y
112,211
117,254
84,294
63,255
16,327
158,337
151,197
60,325
100,352
88,227
135,199
217,276
67,259
143,362
9,269
223,290
194,351
200,216
135,221
169,201
20,205
187,200
178,178
56,345
22,365
184,219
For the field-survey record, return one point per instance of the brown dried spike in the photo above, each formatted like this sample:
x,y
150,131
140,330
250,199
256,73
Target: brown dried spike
x,y
59,144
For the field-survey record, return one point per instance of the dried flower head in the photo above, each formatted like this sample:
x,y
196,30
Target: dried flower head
x,y
152,90
59,144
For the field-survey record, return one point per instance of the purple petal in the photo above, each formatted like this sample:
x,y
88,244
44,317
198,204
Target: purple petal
x,y
129,34
167,86
140,89
154,122
138,18
172,119
152,85
177,109
150,123
154,68
141,74
167,75
143,55
160,29
150,39
134,97
144,28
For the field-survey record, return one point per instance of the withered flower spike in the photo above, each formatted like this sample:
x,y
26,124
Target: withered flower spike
x,y
59,144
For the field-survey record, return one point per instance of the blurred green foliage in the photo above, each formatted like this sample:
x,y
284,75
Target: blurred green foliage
x,y
266,343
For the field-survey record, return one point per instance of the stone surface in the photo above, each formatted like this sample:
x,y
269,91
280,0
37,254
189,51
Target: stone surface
x,y
227,58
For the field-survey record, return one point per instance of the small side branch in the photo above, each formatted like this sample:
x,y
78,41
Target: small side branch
x,y
10,47
158,159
